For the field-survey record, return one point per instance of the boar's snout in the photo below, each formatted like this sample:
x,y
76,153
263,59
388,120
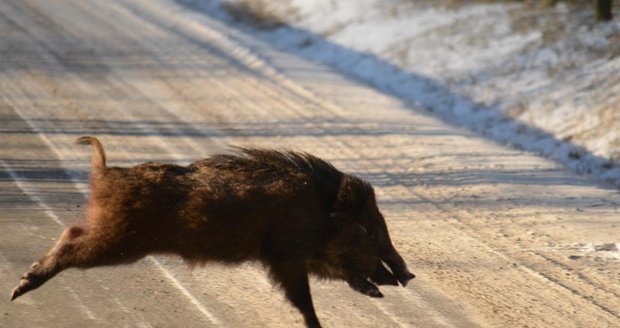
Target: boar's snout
x,y
397,266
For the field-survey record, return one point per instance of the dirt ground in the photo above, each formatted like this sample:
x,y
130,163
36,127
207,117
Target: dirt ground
x,y
497,237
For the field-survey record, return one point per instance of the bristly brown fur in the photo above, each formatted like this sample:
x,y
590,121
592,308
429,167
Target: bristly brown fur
x,y
293,212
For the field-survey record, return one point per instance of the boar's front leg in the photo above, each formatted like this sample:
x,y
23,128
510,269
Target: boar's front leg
x,y
360,284
293,277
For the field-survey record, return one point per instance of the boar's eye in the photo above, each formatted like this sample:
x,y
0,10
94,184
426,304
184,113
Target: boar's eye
x,y
368,232
371,234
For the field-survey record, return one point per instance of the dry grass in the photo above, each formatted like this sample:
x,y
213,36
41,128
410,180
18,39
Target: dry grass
x,y
261,14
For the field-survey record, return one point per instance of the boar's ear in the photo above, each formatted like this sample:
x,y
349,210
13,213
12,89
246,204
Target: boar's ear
x,y
352,194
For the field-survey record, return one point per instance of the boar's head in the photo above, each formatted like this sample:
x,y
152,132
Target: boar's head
x,y
363,243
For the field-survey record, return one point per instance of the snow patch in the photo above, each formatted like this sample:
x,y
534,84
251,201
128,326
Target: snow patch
x,y
598,250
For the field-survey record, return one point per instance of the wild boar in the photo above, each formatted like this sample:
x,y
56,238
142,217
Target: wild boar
x,y
293,212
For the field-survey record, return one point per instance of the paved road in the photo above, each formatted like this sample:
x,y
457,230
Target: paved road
x,y
497,237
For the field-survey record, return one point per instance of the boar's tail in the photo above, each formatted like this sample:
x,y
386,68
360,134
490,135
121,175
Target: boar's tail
x,y
98,159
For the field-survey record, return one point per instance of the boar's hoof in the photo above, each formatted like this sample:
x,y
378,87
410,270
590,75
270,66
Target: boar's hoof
x,y
374,293
362,285
23,287
405,277
28,282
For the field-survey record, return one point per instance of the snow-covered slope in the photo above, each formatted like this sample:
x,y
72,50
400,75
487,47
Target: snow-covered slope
x,y
541,80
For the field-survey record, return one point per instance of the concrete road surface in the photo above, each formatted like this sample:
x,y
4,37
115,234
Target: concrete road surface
x,y
497,237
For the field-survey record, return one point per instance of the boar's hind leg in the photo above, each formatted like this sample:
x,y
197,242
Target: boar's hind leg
x,y
293,277
75,248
